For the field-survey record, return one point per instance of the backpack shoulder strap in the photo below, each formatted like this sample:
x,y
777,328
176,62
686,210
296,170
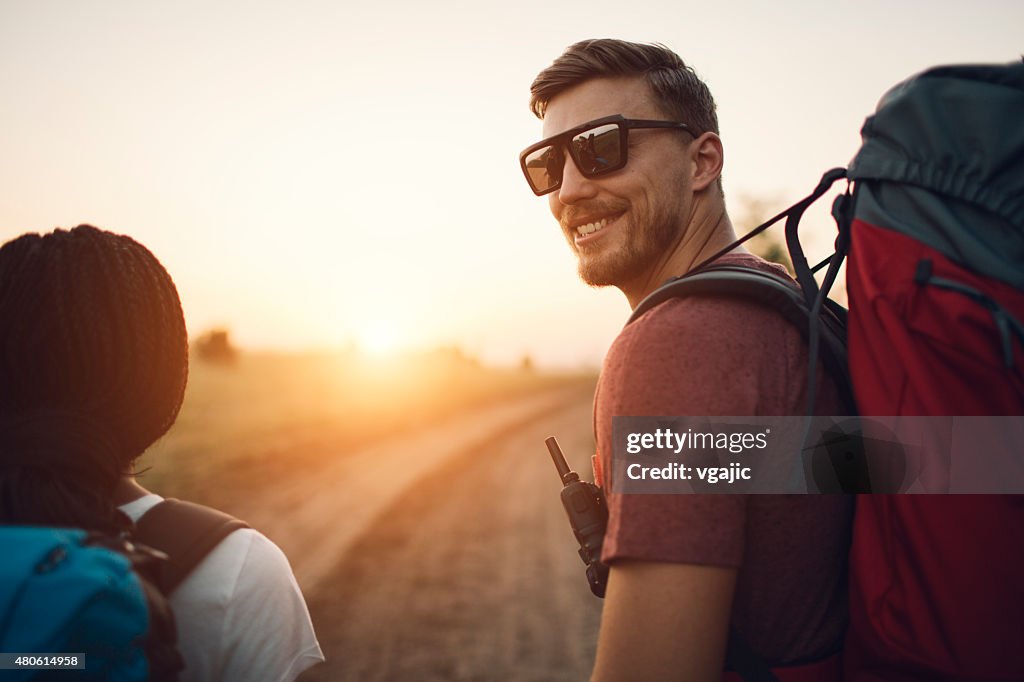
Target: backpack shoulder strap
x,y
728,280
186,532
775,292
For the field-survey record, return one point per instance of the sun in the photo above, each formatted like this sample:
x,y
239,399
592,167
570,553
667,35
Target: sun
x,y
379,339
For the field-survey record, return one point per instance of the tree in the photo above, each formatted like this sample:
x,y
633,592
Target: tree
x,y
215,346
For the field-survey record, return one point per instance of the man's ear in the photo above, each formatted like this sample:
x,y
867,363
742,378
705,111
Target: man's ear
x,y
708,159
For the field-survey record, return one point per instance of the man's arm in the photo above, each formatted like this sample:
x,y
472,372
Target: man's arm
x,y
664,621
674,558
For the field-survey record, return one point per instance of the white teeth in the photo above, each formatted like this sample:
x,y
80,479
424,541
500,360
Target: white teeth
x,y
590,228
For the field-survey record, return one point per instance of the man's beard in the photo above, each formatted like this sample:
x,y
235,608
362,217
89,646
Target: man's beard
x,y
647,240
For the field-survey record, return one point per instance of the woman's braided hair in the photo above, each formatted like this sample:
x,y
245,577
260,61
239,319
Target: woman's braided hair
x,y
93,366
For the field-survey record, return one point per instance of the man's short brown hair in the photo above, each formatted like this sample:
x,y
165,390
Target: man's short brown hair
x,y
677,89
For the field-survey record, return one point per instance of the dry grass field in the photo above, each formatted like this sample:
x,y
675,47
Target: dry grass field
x,y
249,423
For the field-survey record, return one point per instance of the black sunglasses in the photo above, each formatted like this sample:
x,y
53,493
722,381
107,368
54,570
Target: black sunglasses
x,y
597,147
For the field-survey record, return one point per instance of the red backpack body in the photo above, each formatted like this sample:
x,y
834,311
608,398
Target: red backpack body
x,y
936,295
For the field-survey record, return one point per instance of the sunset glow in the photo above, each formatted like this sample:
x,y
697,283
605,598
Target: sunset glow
x,y
380,339
300,169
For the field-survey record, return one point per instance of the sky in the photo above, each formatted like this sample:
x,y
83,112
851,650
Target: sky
x,y
320,173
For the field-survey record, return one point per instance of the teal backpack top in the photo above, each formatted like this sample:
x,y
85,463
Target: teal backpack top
x,y
96,603
69,595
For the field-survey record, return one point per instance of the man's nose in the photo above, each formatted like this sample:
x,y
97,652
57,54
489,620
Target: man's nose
x,y
574,186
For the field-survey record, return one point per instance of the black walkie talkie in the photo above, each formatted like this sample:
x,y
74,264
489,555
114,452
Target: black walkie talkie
x,y
588,515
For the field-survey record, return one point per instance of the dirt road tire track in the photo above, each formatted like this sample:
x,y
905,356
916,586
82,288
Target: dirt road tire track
x,y
470,575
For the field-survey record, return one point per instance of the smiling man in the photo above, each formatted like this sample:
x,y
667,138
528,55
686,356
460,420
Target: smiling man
x,y
631,165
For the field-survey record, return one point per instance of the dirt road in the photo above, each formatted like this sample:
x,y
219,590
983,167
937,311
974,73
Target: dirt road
x,y
470,573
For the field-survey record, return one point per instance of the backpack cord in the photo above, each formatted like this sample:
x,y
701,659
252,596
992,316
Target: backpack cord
x,y
797,210
842,209
803,271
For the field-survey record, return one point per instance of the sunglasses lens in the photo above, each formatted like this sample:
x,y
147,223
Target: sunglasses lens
x,y
594,151
598,150
544,168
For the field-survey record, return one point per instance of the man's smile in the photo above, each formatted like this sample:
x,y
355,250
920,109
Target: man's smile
x,y
590,228
587,228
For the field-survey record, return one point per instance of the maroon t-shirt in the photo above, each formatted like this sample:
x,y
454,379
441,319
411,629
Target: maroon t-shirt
x,y
704,356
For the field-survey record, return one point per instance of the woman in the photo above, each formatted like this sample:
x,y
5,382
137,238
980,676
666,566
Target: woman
x,y
93,367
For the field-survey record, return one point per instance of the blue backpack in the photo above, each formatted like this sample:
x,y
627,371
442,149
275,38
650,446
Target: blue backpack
x,y
97,603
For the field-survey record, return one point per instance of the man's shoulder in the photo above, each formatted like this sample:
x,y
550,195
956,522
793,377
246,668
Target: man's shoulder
x,y
709,321
698,335
701,354
707,311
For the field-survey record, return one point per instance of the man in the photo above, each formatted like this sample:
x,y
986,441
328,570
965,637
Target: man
x,y
631,165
